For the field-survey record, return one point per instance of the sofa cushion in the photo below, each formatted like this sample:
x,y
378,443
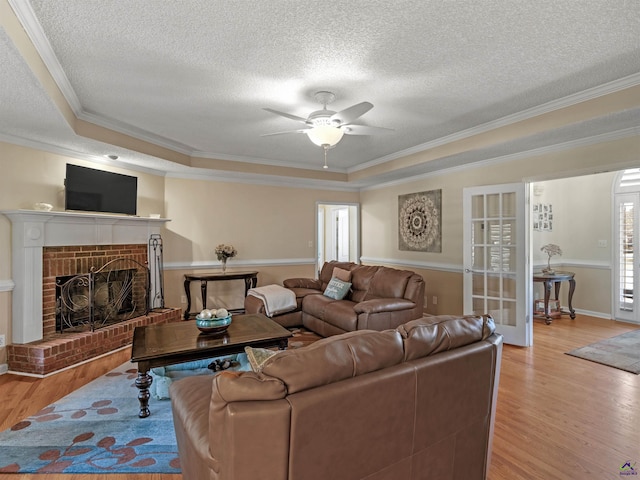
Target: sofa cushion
x,y
342,356
388,283
326,273
342,314
316,304
337,289
341,274
429,335
244,386
258,356
361,279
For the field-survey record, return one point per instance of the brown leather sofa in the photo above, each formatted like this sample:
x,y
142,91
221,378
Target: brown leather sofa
x,y
380,298
411,403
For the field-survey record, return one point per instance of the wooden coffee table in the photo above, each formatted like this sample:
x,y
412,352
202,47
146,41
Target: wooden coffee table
x,y
178,342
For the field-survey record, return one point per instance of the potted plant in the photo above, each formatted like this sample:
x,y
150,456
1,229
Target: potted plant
x,y
223,253
550,249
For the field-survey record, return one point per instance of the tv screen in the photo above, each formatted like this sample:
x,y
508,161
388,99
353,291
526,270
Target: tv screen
x,y
93,190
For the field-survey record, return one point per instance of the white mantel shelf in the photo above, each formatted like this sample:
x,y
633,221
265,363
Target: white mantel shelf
x,y
55,229
31,230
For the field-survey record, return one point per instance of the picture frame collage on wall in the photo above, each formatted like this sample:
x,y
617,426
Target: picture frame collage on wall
x,y
542,217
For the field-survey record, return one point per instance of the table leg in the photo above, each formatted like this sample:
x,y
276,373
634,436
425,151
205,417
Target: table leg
x,y
250,282
203,292
143,382
547,294
187,292
572,287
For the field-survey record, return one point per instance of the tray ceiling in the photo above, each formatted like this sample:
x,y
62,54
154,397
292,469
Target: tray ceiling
x,y
180,87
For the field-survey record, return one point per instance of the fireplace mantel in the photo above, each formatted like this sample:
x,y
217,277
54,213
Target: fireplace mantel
x,y
32,230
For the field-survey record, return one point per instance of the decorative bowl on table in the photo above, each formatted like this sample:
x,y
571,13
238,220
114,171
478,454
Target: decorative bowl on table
x,y
213,325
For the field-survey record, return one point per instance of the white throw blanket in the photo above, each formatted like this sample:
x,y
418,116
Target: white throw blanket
x,y
276,299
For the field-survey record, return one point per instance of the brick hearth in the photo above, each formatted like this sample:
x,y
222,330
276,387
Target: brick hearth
x,y
65,349
50,244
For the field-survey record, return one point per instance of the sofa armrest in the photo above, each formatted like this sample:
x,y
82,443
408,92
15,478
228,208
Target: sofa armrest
x,y
378,305
309,283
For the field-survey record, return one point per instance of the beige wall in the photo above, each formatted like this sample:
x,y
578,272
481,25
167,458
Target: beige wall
x,y
443,271
582,209
28,176
270,226
582,214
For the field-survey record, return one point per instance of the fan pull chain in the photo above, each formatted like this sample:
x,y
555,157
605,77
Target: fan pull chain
x,y
326,147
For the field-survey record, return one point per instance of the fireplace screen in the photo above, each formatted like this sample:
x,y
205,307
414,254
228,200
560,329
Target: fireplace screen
x,y
114,293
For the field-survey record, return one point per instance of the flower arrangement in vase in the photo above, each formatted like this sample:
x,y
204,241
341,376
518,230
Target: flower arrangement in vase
x,y
223,253
550,249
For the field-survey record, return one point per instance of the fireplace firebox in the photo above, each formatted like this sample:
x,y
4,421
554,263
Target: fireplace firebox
x,y
114,293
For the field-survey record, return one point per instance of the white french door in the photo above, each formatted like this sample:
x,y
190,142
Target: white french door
x,y
497,271
626,290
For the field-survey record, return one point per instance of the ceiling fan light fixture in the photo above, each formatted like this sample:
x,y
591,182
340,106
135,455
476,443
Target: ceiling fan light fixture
x,y
323,135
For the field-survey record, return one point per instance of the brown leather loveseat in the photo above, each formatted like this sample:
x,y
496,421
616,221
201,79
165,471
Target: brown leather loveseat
x,y
379,298
411,403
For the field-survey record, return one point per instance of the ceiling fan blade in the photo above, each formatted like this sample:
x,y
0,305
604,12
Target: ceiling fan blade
x,y
364,130
348,115
287,115
301,130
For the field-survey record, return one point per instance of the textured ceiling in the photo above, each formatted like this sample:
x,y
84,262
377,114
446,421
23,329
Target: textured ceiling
x,y
194,76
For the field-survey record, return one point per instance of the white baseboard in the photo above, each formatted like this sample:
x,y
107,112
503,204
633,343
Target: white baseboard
x,y
606,316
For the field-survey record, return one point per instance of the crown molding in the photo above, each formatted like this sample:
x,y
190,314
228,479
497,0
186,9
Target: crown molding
x,y
557,147
33,28
585,95
268,180
56,149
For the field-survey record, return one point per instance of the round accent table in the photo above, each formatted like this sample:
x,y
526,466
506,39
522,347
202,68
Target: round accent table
x,y
555,279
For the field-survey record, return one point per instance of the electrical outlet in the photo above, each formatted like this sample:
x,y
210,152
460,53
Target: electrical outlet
x,y
434,300
602,243
3,342
183,299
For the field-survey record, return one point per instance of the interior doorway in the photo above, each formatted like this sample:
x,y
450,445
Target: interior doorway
x,y
337,232
626,231
585,221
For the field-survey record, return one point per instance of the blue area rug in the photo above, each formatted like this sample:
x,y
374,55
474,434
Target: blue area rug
x,y
95,429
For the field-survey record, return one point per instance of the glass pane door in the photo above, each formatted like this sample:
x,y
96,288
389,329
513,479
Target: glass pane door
x,y
625,271
495,258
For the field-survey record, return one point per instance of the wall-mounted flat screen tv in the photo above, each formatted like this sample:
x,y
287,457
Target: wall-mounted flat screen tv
x,y
92,190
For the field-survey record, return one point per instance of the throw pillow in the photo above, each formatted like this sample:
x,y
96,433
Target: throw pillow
x,y
341,274
337,289
258,356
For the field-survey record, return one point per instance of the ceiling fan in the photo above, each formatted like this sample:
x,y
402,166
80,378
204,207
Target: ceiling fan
x,y
325,127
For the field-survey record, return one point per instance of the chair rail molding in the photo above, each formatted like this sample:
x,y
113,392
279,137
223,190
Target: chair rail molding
x,y
6,285
249,263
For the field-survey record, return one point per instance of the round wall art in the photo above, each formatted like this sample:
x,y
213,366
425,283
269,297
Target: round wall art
x,y
419,221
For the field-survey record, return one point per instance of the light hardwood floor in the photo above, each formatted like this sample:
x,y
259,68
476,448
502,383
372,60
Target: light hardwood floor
x,y
558,417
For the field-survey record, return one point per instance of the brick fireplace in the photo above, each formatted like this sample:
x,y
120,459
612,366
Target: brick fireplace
x,y
46,245
77,260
